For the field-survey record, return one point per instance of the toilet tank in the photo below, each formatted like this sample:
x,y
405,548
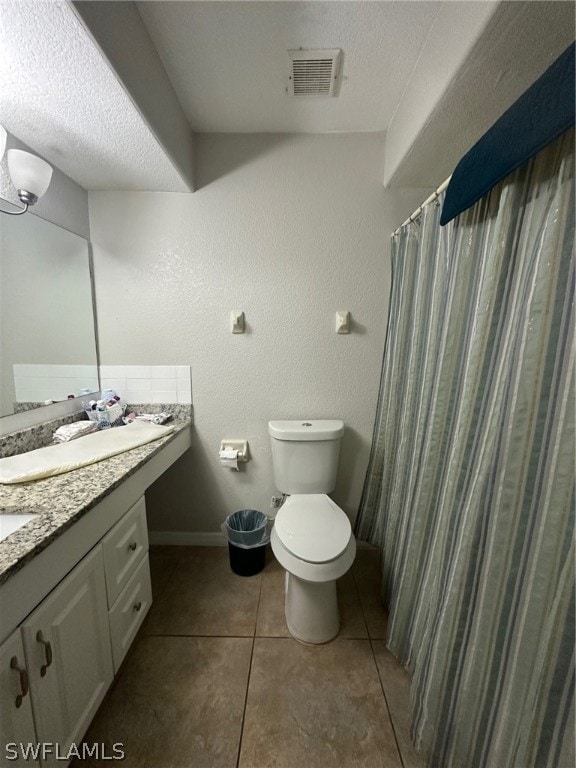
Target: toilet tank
x,y
305,454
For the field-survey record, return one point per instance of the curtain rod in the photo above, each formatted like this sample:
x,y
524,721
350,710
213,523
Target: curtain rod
x,y
428,200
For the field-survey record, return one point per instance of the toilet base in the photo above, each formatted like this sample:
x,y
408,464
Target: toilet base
x,y
311,610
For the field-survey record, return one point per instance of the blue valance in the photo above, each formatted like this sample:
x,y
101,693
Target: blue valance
x,y
538,117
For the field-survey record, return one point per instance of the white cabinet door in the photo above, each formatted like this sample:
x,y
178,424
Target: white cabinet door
x,y
16,723
67,644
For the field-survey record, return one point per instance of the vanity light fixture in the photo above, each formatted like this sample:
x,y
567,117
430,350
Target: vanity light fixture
x,y
29,174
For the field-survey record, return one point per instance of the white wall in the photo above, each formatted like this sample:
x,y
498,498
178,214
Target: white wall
x,y
288,229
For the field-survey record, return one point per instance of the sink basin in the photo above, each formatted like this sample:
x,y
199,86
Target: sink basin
x,y
11,523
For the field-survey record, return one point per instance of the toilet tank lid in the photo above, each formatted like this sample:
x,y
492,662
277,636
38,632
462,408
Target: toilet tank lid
x,y
307,429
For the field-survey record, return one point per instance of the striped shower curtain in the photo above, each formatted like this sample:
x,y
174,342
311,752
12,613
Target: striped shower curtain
x,y
470,487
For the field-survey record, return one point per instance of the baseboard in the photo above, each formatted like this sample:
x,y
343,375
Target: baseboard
x,y
188,538
205,539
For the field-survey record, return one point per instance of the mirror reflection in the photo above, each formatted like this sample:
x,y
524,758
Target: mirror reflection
x,y
47,334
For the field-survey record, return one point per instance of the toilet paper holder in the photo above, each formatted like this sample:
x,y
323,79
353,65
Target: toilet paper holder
x,y
241,446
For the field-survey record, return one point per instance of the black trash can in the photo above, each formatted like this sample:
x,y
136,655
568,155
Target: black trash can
x,y
248,534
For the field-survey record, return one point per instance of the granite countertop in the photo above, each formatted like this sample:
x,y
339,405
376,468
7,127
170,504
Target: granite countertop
x,y
58,502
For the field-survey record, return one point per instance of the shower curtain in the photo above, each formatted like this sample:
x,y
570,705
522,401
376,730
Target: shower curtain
x,y
470,486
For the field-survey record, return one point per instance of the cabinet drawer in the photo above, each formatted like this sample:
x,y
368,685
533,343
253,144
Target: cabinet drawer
x,y
129,611
124,547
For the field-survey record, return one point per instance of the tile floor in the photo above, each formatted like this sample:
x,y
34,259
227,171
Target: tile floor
x,y
214,679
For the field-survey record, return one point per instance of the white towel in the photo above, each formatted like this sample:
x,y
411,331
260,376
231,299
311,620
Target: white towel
x,y
73,431
56,459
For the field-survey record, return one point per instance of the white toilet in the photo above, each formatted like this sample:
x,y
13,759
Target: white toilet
x,y
312,537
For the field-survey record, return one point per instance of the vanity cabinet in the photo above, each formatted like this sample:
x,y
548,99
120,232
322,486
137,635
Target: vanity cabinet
x,y
71,609
68,655
16,723
56,667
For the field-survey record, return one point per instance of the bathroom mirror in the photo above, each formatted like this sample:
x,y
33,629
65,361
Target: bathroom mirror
x,y
47,332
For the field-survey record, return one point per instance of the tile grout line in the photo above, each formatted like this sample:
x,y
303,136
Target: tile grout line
x,y
378,673
249,674
387,705
360,602
245,700
194,634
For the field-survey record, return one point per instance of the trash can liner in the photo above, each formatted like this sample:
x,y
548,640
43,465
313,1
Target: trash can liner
x,y
248,533
247,529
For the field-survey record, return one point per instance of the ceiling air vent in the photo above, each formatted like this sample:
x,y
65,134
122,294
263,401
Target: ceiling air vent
x,y
314,73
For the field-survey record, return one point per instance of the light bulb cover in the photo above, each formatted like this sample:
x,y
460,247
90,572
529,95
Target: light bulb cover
x,y
28,172
3,137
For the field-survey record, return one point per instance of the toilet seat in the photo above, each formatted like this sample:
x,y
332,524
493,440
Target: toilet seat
x,y
313,572
313,528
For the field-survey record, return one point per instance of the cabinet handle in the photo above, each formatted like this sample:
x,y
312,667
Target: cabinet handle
x,y
138,605
132,547
24,687
47,651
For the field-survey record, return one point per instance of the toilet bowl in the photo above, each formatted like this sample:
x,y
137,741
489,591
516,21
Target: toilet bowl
x,y
312,540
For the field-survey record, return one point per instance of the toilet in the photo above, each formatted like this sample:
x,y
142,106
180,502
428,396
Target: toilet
x,y
312,537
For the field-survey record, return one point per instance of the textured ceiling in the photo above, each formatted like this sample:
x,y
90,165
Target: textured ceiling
x,y
59,96
228,61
